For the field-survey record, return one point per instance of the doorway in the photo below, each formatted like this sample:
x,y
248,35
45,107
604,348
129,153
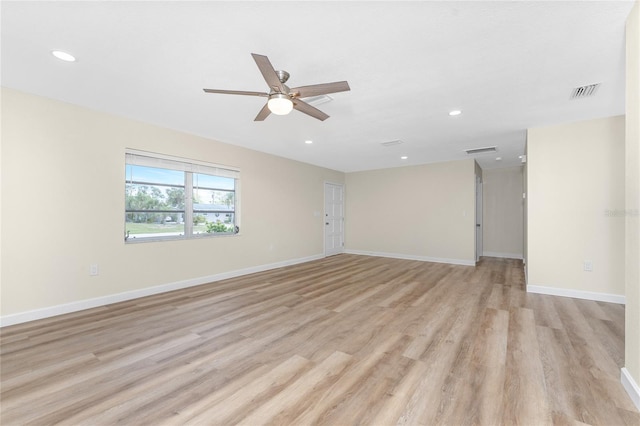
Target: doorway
x,y
333,219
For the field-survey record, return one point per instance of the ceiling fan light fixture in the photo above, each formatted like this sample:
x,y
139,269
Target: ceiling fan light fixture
x,y
280,104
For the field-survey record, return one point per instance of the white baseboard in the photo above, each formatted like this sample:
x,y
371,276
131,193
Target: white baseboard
x,y
502,255
80,305
413,257
630,386
577,294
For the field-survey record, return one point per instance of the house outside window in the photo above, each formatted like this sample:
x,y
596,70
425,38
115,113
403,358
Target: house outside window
x,y
170,198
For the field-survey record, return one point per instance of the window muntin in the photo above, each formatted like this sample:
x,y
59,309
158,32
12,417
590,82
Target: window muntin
x,y
168,198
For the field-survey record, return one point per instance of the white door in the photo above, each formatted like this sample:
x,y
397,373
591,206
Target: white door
x,y
333,219
478,218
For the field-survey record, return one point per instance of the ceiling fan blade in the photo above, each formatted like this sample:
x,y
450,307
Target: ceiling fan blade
x,y
320,89
264,113
236,92
309,110
269,73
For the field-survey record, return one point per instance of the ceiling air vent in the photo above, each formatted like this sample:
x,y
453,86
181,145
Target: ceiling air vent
x,y
481,150
584,91
391,143
318,100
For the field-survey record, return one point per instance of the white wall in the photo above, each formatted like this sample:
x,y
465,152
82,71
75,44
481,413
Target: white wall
x,y
503,206
632,206
575,178
63,207
420,212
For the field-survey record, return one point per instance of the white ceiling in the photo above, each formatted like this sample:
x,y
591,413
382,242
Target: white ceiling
x,y
508,66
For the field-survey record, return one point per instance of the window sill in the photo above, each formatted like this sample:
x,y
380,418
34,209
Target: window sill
x,y
133,240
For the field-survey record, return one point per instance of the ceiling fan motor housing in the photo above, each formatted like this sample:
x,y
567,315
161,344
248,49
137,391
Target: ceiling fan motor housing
x,y
283,76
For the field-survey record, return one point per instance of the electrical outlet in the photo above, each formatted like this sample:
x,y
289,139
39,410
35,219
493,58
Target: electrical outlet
x,y
93,269
588,266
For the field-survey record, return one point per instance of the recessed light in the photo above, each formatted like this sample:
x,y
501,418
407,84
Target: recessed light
x,y
498,158
404,157
63,56
308,142
455,112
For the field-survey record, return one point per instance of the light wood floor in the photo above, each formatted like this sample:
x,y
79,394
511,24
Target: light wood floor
x,y
340,341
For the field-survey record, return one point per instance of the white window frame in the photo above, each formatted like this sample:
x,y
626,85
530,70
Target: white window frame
x,y
189,167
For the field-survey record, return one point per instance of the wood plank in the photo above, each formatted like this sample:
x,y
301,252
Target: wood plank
x,y
525,400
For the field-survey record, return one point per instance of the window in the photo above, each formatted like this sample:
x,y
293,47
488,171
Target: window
x,y
171,198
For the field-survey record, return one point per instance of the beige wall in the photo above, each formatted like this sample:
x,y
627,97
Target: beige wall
x,y
424,212
63,204
575,176
1,180
632,199
502,206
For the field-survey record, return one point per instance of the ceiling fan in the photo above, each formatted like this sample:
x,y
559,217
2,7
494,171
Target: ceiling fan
x,y
283,99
